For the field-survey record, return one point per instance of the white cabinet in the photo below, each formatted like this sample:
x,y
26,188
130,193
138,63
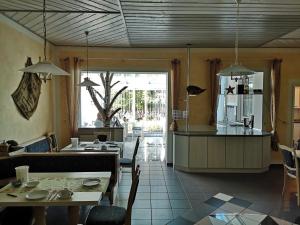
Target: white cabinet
x,y
222,153
216,152
181,146
198,152
266,151
253,152
234,152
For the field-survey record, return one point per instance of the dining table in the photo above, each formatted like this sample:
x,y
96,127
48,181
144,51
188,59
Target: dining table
x,y
52,184
88,146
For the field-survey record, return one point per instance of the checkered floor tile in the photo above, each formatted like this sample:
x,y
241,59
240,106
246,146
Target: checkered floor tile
x,y
229,211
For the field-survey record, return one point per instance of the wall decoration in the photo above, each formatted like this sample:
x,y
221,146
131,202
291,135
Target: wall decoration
x,y
26,96
230,89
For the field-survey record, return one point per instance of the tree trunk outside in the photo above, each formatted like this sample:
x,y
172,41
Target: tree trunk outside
x,y
107,122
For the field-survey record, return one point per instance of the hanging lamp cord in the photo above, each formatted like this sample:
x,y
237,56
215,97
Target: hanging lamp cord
x,y
87,54
44,29
237,33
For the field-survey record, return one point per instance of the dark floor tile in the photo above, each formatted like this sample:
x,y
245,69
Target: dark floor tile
x,y
179,212
196,196
180,204
240,202
215,202
180,221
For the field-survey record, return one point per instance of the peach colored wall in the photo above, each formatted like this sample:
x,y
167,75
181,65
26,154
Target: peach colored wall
x,y
258,59
15,47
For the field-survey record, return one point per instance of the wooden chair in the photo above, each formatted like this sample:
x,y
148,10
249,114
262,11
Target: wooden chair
x,y
125,162
114,215
291,167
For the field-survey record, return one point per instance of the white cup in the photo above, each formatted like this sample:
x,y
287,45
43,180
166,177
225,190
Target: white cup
x,y
74,142
22,173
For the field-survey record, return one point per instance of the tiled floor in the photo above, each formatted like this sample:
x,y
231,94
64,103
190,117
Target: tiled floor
x,y
160,196
165,195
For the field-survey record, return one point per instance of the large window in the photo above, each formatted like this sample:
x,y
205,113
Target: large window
x,y
143,102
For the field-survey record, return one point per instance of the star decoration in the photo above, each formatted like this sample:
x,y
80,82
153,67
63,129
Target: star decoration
x,y
230,89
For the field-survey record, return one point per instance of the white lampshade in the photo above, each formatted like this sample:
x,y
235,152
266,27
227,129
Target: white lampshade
x,y
88,83
236,70
45,67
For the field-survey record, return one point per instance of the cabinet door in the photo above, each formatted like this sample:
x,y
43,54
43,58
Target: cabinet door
x,y
181,146
234,152
216,152
253,152
198,152
266,151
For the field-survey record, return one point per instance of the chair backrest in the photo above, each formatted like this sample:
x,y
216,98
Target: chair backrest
x,y
134,156
132,194
296,163
287,156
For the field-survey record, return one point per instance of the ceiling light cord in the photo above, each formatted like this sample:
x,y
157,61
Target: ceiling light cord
x,y
87,54
237,34
44,29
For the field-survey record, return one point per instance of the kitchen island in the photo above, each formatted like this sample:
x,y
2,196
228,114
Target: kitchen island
x,y
227,149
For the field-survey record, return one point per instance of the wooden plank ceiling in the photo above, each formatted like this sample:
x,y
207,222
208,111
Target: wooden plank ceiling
x,y
161,23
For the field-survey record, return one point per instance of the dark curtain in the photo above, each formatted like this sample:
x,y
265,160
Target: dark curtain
x,y
275,96
214,68
175,71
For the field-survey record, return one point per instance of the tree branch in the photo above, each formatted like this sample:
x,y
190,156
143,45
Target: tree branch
x,y
98,93
115,97
113,113
114,84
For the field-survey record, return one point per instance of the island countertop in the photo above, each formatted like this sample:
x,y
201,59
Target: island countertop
x,y
224,131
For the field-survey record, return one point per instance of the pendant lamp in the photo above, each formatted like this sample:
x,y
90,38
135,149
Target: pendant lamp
x,y
45,69
87,82
236,69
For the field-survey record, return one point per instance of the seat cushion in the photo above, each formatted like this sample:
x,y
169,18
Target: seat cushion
x,y
125,162
39,146
106,215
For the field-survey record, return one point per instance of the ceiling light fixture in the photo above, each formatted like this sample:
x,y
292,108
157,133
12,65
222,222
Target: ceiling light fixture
x,y
87,82
236,69
45,69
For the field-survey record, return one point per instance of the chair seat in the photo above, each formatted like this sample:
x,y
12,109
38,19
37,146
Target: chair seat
x,y
106,215
125,162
